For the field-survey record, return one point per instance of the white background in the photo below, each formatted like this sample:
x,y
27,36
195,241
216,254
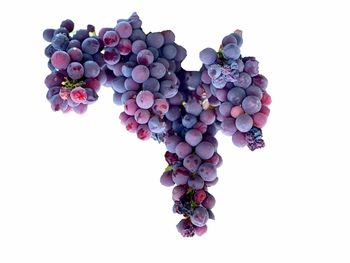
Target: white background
x,y
82,189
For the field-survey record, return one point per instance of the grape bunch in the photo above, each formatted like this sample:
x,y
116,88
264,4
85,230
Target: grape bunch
x,y
75,61
182,109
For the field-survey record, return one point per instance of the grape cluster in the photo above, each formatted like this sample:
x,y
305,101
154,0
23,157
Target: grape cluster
x,y
75,61
142,70
236,90
183,109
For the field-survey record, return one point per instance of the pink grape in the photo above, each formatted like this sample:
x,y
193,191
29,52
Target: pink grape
x,y
145,99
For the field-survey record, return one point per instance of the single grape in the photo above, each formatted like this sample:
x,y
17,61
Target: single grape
x,y
259,119
178,192
111,56
180,175
124,29
192,162
209,202
68,24
200,230
140,73
173,113
91,69
231,51
124,47
90,45
48,34
229,39
266,99
155,40
143,132
251,66
243,81
145,99
260,81
142,116
131,124
78,95
151,84
137,34
236,96
166,179
236,111
160,107
254,91
156,125
111,39
138,45
200,216
193,137
168,89
199,196
183,149
130,107
169,36
60,60
205,150
60,42
244,122
80,109
145,57
169,51
193,107
75,54
207,116
225,109
75,70
251,104
208,56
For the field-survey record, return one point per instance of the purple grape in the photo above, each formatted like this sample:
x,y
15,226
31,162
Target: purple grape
x,y
75,54
228,126
111,56
166,179
193,137
183,149
60,60
238,139
192,162
75,70
124,47
200,216
140,73
251,104
155,40
193,107
207,171
160,107
130,84
209,202
142,116
207,116
145,99
236,96
169,51
90,45
243,81
60,42
260,81
68,24
91,69
254,91
231,51
48,34
196,182
208,56
111,39
156,125
169,36
225,109
157,70
205,150
168,89
189,121
124,29
151,84
244,122
251,66
145,57
118,84
180,175
178,192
